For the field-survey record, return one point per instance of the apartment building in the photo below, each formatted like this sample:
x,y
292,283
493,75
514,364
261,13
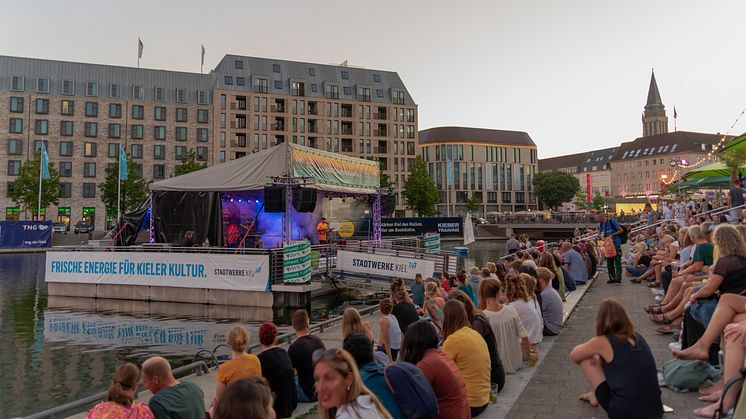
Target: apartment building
x,y
84,112
591,168
496,166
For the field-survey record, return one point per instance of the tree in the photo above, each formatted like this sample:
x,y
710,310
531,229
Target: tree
x,y
188,164
598,202
420,192
24,191
581,201
473,204
553,188
734,160
134,189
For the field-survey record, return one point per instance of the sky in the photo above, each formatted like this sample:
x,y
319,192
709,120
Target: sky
x,y
574,74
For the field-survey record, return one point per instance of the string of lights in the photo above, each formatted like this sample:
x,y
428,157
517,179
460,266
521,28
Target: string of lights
x,y
716,149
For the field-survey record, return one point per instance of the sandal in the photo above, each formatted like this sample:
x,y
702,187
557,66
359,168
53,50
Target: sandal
x,y
654,284
664,330
653,309
660,318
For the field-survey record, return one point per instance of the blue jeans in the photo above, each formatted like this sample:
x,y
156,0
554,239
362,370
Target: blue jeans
x,y
636,271
302,398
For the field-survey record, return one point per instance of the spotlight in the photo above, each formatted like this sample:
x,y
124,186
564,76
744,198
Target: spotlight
x,y
231,199
239,201
257,201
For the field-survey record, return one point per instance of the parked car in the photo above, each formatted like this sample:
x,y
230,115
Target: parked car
x,y
59,228
83,227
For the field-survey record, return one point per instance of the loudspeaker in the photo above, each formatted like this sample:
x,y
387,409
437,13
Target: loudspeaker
x,y
304,200
274,199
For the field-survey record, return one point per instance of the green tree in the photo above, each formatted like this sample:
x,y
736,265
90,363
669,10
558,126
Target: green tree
x,y
553,188
581,201
420,192
598,202
734,160
134,189
473,204
189,164
24,191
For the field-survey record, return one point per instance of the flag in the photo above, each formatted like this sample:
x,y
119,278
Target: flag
x,y
203,55
139,48
123,175
44,162
674,112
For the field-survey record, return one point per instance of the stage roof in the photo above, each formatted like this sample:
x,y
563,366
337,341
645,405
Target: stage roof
x,y
331,172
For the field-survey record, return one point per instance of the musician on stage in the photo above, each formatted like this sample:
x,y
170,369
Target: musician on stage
x,y
322,228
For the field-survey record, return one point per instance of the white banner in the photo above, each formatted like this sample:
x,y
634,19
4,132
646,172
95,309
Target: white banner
x,y
296,264
384,265
185,270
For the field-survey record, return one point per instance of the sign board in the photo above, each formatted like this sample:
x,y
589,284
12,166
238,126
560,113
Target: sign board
x,y
182,270
431,243
296,262
415,226
384,265
346,229
21,234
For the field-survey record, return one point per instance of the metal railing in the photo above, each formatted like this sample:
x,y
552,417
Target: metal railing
x,y
198,367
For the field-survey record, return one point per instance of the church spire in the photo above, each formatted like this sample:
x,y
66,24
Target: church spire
x,y
654,120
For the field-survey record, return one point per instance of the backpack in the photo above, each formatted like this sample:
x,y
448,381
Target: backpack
x,y
411,390
682,376
625,234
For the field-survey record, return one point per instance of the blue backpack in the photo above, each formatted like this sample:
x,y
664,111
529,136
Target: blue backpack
x,y
411,390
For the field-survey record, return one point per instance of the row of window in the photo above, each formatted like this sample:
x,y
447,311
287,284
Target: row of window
x,y
66,149
276,68
505,197
446,152
472,176
67,108
299,107
67,88
90,129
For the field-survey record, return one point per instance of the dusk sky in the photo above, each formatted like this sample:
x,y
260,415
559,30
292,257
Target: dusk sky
x,y
573,74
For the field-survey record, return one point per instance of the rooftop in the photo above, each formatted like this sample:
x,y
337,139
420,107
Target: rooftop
x,y
486,136
667,144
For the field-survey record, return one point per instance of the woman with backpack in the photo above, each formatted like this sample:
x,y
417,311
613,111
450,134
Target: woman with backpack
x,y
619,367
469,352
342,394
420,347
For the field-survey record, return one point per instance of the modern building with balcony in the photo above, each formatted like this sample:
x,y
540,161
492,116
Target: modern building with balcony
x,y
496,166
84,112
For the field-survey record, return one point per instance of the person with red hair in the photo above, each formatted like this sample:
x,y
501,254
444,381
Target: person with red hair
x,y
540,246
278,370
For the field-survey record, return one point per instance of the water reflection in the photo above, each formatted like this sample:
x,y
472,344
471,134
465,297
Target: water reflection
x,y
480,252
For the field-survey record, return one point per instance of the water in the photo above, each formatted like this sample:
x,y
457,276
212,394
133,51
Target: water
x,y
480,252
59,349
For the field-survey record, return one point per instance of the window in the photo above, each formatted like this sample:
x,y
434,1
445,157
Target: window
x,y
379,93
66,169
41,106
66,148
68,87
332,92
159,113
202,135
181,96
66,189
314,88
112,150
89,190
15,146
14,167
181,115
115,91
410,115
66,128
89,150
229,80
42,85
275,68
91,89
138,92
181,134
202,153
16,104
91,129
37,145
345,75
363,93
89,169
115,110
179,152
138,112
16,126
203,97
261,86
91,109
239,64
348,91
137,132
159,152
241,81
159,171
160,94
202,117
399,97
159,132
278,84
115,130
67,107
311,72
17,83
136,151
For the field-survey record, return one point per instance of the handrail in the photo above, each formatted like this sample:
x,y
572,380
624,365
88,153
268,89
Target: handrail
x,y
200,367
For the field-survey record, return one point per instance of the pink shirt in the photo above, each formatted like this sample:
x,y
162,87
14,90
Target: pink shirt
x,y
112,410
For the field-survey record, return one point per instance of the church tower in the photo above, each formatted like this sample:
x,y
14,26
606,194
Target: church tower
x,y
654,120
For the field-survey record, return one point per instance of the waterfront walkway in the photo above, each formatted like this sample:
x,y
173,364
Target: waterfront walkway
x,y
554,388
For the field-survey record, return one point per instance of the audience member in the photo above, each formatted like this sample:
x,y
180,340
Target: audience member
x,y
277,368
240,365
551,304
512,339
247,398
391,335
352,322
300,352
405,312
172,399
418,291
120,399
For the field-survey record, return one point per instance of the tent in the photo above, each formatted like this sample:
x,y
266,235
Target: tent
x,y
194,201
737,143
717,169
714,182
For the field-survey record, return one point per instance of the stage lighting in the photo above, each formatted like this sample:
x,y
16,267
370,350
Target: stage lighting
x,y
257,201
231,199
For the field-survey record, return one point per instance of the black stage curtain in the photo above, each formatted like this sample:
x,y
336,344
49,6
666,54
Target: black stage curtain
x,y
134,222
178,212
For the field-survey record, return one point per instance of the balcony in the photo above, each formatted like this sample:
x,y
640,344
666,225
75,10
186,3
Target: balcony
x,y
364,98
380,150
380,115
313,111
346,113
314,129
277,107
239,124
238,106
380,132
238,144
277,126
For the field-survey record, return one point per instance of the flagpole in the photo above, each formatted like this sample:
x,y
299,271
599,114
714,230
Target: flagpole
x,y
119,194
38,209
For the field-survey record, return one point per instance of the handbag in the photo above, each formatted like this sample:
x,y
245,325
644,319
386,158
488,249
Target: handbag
x,y
609,248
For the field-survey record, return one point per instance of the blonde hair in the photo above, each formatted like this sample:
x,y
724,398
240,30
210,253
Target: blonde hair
x,y
351,322
344,364
729,241
124,380
544,274
238,338
515,287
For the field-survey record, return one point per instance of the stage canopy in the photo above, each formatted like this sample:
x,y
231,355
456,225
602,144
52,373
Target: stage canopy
x,y
717,169
331,172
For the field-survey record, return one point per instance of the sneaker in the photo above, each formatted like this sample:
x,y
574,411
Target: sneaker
x,y
674,346
659,298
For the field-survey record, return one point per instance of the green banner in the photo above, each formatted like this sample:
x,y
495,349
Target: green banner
x,y
296,262
431,242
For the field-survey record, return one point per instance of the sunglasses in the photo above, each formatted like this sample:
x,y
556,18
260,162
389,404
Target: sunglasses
x,y
327,354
